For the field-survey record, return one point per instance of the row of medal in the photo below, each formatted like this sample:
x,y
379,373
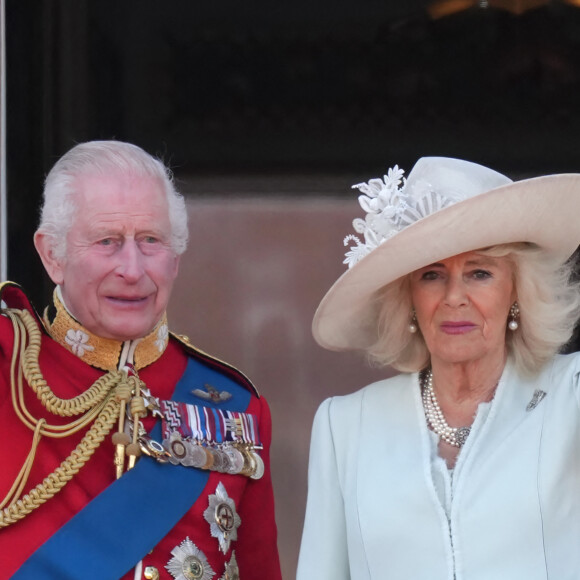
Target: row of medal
x,y
233,458
208,438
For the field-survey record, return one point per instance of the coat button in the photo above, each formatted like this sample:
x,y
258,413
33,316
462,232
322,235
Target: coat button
x,y
151,573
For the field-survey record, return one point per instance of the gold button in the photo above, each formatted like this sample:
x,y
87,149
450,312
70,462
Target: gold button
x,y
151,573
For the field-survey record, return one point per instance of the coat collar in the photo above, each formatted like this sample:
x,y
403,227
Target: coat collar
x,y
103,353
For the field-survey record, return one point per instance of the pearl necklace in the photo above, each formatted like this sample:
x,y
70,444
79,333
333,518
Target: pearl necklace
x,y
455,436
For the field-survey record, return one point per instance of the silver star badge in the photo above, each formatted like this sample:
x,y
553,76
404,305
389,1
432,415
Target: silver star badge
x,y
232,571
222,518
189,563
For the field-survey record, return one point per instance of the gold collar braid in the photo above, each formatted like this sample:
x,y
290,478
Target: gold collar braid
x,y
103,353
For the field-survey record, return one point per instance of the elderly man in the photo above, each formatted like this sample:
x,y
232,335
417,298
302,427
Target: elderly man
x,y
127,453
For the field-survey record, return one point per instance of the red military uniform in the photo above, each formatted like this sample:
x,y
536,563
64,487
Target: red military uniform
x,y
194,545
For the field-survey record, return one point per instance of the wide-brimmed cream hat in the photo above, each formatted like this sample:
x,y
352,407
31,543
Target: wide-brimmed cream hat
x,y
445,207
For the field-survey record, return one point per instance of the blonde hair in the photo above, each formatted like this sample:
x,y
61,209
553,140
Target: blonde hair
x,y
548,299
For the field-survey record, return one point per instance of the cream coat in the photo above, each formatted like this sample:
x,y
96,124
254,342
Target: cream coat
x,y
373,511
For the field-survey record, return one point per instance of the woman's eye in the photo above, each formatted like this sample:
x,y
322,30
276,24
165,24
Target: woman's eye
x,y
481,274
430,275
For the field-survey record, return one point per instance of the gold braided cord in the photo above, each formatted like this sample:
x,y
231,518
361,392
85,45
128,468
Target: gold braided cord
x,y
52,484
21,479
62,407
104,410
110,380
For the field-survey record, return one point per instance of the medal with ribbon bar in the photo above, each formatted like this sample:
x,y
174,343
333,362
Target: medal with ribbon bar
x,y
209,438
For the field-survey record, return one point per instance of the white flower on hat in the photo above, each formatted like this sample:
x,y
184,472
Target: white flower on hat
x,y
390,208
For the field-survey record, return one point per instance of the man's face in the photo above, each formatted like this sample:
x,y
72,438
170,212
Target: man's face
x,y
119,268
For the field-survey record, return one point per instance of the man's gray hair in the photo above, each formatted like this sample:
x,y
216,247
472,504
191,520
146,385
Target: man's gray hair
x,y
102,158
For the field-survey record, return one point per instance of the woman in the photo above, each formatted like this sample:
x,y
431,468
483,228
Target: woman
x,y
466,466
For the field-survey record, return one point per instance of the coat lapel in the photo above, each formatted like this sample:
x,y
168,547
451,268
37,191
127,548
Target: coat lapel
x,y
401,520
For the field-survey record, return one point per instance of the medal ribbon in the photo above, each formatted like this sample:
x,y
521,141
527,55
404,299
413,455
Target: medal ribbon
x,y
208,424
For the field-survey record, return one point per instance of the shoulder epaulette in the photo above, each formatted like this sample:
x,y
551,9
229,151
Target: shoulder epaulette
x,y
14,296
215,363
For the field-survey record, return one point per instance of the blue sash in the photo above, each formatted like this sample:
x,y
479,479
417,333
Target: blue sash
x,y
131,516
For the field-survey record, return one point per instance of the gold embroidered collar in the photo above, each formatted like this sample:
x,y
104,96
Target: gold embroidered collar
x,y
103,353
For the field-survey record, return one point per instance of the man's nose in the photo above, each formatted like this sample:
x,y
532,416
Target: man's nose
x,y
130,261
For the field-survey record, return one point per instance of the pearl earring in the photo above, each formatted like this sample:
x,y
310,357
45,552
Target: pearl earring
x,y
513,317
413,324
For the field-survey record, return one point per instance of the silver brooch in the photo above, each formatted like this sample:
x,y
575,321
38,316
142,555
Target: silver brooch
x,y
189,563
536,398
222,517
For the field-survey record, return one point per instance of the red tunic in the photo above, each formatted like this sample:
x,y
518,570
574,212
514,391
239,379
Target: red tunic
x,y
255,548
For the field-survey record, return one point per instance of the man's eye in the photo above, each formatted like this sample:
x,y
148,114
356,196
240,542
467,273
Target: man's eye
x,y
150,239
105,242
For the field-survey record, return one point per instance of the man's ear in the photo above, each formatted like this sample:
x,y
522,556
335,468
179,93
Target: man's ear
x,y
54,267
176,266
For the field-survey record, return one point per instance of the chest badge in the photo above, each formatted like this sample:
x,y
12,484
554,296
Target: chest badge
x,y
189,563
211,394
222,517
232,571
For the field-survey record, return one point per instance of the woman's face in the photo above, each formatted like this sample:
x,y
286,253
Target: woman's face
x,y
462,305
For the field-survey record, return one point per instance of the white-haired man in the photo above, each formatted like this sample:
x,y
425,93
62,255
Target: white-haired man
x,y
128,453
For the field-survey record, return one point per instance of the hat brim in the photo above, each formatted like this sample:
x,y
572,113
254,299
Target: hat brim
x,y
544,211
